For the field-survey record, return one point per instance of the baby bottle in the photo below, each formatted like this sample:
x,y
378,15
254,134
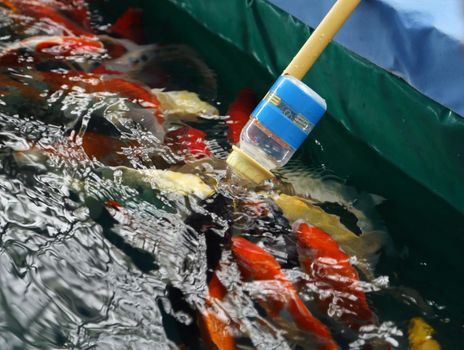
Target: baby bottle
x,y
277,128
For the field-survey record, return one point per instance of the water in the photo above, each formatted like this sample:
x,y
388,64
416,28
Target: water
x,y
93,258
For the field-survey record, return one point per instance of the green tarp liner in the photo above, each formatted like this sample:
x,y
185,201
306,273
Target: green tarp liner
x,y
380,135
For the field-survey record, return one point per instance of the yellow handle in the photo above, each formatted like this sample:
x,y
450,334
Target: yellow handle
x,y
321,37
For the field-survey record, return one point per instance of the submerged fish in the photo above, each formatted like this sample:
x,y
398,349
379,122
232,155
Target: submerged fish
x,y
169,67
93,83
129,25
128,87
364,247
38,48
163,180
41,11
336,280
258,265
239,113
184,105
106,149
188,141
214,324
420,336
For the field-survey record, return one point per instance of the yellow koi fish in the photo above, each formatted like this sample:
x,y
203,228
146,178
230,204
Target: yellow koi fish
x,y
420,336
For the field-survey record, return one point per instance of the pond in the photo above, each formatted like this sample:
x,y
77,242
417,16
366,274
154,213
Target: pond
x,y
121,226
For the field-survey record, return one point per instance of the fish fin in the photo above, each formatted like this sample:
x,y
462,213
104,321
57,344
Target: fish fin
x,y
306,321
129,25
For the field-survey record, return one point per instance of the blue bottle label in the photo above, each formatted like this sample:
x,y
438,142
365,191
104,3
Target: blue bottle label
x,y
290,110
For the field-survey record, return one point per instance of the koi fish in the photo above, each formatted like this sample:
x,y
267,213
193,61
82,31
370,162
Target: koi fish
x,y
171,67
188,140
258,265
46,12
239,113
129,25
113,204
214,328
365,246
51,47
66,46
420,336
94,83
330,268
163,180
106,149
184,105
77,10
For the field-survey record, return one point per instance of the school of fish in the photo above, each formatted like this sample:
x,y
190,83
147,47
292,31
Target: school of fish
x,y
285,247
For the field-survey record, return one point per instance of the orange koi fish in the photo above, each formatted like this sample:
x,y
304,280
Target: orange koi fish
x,y
104,148
45,12
101,69
92,83
129,25
322,258
257,264
239,113
107,149
213,328
188,140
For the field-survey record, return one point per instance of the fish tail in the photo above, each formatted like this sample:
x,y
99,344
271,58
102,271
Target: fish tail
x,y
306,321
215,329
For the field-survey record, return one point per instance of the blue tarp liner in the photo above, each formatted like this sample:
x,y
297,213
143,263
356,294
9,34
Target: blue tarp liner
x,y
422,41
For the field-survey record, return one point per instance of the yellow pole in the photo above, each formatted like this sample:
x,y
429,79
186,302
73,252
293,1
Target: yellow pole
x,y
320,38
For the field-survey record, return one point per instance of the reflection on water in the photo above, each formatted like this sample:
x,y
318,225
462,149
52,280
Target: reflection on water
x,y
101,248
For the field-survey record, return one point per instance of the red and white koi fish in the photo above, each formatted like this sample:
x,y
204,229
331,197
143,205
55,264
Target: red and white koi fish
x,y
258,265
239,113
45,47
321,257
